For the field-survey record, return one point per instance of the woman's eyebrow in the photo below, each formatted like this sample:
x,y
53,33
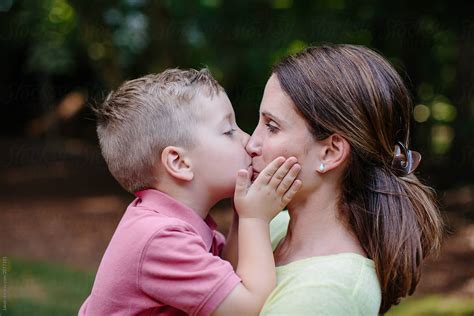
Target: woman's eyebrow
x,y
271,116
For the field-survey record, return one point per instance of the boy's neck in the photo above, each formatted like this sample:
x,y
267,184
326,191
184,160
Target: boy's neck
x,y
200,204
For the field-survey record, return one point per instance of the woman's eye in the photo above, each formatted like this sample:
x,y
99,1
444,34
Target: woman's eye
x,y
230,133
271,128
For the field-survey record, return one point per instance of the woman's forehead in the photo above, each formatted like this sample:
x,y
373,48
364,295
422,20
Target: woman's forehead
x,y
276,102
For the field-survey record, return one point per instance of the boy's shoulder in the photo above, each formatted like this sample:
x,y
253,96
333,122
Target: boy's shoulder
x,y
157,230
154,213
151,219
146,221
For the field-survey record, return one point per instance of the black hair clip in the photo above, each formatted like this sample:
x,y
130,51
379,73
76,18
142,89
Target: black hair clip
x,y
405,161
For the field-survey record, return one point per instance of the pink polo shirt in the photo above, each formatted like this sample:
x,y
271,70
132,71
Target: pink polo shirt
x,y
163,259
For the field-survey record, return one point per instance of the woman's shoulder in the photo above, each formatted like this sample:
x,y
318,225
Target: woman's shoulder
x,y
279,227
343,283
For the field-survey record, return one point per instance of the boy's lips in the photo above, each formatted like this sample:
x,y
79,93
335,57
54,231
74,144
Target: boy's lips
x,y
255,175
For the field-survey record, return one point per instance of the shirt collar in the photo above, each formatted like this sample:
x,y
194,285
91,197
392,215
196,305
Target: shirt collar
x,y
166,205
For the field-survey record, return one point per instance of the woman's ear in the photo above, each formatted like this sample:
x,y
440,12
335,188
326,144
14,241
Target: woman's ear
x,y
335,152
176,163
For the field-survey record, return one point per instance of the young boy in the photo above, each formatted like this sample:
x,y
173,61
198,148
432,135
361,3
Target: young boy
x,y
172,140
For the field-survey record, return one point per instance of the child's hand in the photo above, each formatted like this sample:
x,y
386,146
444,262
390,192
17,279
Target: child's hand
x,y
273,189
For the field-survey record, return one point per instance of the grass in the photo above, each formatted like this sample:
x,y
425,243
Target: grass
x,y
433,305
40,288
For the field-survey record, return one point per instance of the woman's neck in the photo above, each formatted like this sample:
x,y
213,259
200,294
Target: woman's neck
x,y
315,229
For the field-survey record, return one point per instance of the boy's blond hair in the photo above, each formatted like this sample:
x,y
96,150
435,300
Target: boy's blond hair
x,y
144,116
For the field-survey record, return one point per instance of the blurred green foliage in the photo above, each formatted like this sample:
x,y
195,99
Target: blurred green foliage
x,y
52,47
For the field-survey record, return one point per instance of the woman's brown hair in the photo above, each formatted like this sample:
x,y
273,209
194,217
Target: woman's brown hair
x,y
354,92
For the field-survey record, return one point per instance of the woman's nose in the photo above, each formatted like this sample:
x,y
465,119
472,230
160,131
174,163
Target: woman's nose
x,y
245,138
253,146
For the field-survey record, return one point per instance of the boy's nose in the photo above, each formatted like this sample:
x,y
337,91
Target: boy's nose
x,y
253,148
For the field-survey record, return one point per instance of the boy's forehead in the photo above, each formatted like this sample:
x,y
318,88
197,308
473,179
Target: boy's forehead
x,y
217,108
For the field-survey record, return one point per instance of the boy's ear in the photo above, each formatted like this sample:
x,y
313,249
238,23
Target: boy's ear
x,y
176,162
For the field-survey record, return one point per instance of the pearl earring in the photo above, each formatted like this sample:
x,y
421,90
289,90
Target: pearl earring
x,y
321,167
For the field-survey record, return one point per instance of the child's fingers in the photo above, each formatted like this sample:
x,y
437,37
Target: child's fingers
x,y
290,177
281,173
266,175
241,184
291,192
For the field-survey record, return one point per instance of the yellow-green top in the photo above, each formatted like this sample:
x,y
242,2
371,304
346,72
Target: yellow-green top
x,y
340,284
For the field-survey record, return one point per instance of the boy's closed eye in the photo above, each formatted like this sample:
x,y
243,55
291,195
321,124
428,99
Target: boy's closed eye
x,y
230,132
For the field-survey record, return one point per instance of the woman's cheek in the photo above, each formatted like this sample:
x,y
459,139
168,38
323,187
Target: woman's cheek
x,y
272,151
268,153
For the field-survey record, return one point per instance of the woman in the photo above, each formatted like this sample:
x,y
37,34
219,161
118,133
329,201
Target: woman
x,y
355,234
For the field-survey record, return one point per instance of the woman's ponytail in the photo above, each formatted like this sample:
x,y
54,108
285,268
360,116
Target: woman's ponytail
x,y
398,225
